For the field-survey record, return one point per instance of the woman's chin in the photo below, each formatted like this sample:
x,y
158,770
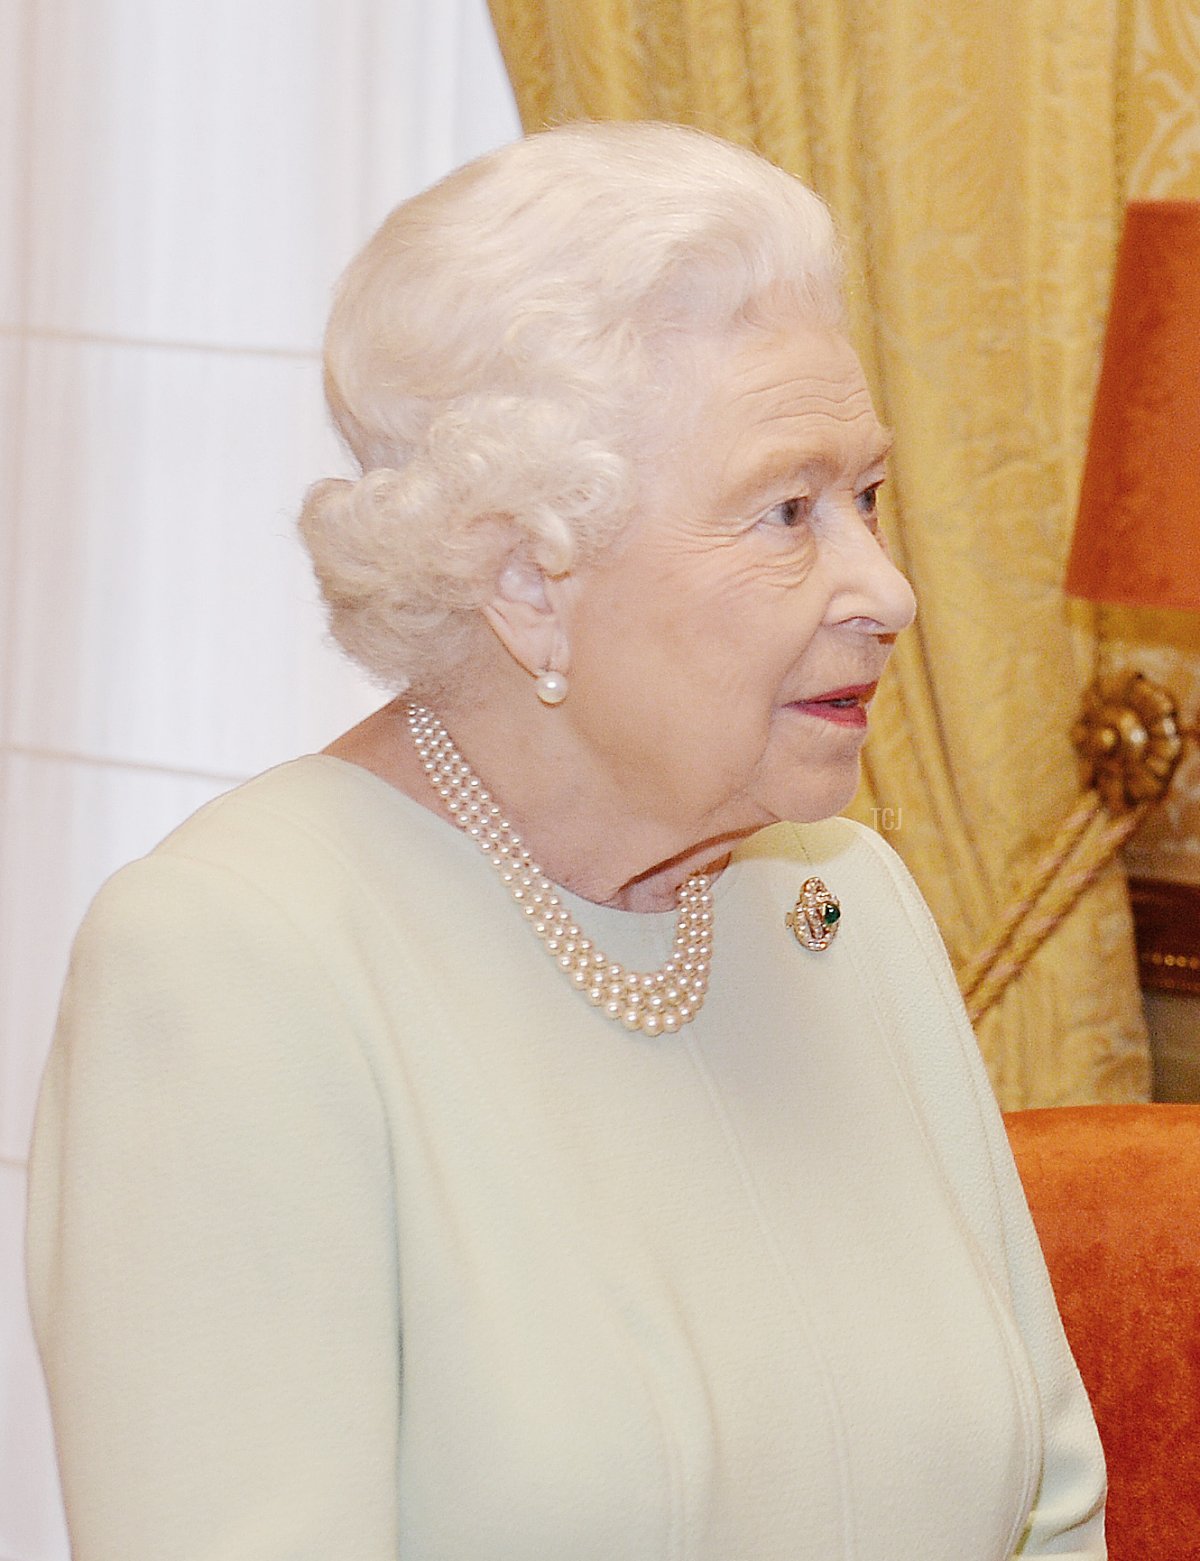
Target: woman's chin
x,y
824,793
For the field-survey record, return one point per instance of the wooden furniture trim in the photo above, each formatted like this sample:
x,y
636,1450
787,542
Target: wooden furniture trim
x,y
1166,922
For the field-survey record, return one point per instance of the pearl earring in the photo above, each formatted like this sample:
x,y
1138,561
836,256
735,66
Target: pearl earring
x,y
551,687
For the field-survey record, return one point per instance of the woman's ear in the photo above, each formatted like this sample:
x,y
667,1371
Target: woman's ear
x,y
527,614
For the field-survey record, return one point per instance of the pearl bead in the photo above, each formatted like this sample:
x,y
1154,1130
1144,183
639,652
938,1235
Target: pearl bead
x,y
551,688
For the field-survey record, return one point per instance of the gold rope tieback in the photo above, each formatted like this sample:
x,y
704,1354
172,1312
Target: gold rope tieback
x,y
1087,842
1129,740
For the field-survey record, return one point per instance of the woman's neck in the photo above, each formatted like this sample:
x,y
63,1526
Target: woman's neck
x,y
584,840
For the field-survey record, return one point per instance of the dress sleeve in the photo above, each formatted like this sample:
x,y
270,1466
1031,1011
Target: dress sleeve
x,y
957,1102
211,1242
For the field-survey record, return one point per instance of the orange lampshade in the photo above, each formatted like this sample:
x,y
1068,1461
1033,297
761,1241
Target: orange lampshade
x,y
1137,538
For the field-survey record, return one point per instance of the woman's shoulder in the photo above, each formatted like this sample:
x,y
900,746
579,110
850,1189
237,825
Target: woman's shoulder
x,y
857,857
316,798
887,934
823,840
317,838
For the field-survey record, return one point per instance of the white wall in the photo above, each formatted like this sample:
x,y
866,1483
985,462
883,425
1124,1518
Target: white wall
x,y
180,182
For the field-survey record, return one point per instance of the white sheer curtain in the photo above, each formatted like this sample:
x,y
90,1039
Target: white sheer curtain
x,y
180,182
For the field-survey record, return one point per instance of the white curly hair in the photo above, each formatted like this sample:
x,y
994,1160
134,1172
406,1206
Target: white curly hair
x,y
505,355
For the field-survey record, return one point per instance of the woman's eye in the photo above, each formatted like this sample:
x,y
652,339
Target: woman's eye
x,y
790,512
868,501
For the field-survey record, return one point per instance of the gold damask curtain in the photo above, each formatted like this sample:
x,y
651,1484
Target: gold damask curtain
x,y
972,154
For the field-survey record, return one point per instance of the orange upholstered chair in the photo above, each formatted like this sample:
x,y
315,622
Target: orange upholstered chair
x,y
1115,1196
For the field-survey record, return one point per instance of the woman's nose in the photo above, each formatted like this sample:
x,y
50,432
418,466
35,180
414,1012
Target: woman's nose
x,y
872,588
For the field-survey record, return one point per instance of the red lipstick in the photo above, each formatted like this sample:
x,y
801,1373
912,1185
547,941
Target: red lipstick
x,y
841,706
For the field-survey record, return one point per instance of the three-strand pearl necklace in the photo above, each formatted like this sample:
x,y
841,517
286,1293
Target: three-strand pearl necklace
x,y
654,1002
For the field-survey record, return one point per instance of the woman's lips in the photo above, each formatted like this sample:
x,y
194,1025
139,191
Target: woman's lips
x,y
841,706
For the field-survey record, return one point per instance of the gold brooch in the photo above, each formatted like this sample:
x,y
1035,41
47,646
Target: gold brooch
x,y
815,916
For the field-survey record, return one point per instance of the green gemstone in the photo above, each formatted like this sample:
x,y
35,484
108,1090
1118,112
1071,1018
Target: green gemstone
x,y
831,915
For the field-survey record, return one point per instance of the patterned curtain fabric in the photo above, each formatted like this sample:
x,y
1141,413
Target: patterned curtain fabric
x,y
972,155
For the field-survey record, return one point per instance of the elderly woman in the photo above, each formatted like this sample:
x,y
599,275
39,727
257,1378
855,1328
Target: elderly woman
x,y
525,1130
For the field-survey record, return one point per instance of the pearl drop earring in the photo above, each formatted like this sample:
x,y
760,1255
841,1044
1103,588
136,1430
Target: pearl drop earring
x,y
551,687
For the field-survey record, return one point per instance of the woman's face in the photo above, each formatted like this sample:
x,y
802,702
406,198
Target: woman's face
x,y
722,657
